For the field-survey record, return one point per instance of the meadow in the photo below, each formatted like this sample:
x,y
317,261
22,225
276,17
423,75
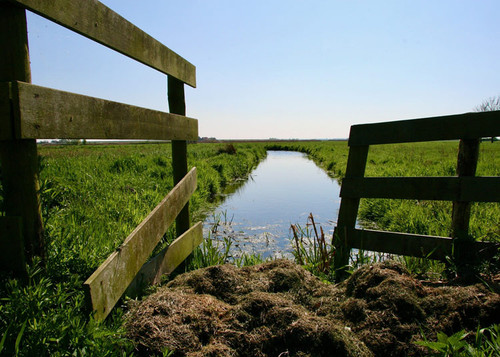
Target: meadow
x,y
93,196
413,159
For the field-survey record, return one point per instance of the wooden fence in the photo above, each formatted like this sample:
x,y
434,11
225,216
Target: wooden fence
x,y
29,112
462,189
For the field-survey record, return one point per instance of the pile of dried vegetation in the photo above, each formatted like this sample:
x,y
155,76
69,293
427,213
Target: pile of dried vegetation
x,y
280,309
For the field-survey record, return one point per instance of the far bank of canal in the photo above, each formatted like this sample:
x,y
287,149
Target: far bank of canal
x,y
283,190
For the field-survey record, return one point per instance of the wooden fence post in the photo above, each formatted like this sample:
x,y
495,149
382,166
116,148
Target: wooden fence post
x,y
464,256
348,212
176,104
19,159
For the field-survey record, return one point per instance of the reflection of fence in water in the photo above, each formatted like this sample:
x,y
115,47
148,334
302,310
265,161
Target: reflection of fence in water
x,y
29,112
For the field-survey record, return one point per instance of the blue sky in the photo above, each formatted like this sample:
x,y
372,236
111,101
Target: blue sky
x,y
291,69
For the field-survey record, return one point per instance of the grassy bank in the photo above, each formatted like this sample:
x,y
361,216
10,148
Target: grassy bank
x,y
92,198
415,159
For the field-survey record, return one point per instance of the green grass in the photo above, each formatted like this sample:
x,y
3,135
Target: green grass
x,y
414,159
486,343
412,216
93,196
329,155
429,217
312,249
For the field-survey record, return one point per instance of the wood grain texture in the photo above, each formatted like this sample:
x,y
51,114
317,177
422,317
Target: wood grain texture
x,y
422,246
14,61
356,164
12,257
177,105
46,113
6,130
108,283
97,22
167,260
21,188
472,189
348,210
468,154
451,127
19,158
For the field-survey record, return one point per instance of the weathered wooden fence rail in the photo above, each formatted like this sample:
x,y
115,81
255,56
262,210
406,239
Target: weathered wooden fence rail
x,y
44,113
462,189
29,112
92,19
108,283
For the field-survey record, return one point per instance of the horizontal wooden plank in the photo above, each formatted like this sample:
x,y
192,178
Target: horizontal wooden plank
x,y
432,247
108,283
465,189
45,113
6,131
167,260
450,127
12,257
97,22
479,189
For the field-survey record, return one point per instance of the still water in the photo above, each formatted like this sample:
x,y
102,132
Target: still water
x,y
283,190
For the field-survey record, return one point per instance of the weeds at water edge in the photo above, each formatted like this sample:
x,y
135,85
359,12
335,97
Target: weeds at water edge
x,y
211,252
310,248
216,249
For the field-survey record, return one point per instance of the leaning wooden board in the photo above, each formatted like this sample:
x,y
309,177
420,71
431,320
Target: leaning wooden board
x,y
108,283
167,260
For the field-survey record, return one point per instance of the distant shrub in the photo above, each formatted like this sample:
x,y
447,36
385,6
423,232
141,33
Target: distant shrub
x,y
228,149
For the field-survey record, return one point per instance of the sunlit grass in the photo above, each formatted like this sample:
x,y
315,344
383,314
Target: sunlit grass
x,y
412,159
410,216
92,198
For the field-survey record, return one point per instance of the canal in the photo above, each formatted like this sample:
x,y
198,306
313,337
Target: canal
x,y
283,190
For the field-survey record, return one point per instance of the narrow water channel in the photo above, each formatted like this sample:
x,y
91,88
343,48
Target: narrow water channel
x,y
283,190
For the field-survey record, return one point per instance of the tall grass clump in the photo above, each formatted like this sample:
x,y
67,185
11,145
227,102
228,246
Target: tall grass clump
x,y
312,249
216,248
211,252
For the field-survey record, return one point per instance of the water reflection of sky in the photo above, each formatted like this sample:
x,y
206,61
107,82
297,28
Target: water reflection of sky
x,y
284,189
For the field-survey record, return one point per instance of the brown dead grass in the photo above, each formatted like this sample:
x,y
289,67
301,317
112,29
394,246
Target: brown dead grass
x,y
280,309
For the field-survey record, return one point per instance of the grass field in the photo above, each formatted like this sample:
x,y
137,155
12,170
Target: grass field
x,y
93,196
415,159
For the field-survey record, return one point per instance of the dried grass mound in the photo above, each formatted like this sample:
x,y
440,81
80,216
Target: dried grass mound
x,y
280,309
387,309
265,310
